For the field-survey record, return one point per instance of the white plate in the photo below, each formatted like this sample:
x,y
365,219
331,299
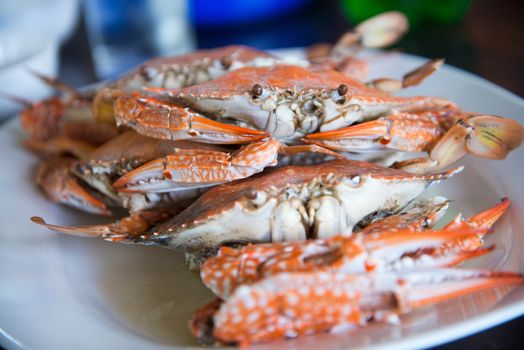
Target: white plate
x,y
60,292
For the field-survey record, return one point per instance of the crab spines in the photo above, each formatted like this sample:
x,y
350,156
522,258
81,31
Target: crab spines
x,y
292,304
162,119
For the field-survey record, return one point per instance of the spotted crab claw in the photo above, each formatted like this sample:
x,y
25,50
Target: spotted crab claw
x,y
288,305
161,119
379,252
133,225
201,168
486,136
412,78
56,181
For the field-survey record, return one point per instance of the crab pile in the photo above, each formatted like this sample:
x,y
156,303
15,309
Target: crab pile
x,y
183,144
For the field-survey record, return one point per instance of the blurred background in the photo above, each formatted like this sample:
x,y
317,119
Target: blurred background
x,y
82,42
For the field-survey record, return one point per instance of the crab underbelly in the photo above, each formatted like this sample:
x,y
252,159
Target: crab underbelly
x,y
316,215
235,225
280,121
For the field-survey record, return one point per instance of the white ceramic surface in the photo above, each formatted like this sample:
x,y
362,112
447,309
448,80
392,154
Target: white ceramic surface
x,y
60,292
19,55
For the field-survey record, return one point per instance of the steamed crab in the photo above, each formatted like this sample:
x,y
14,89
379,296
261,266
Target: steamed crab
x,y
287,204
284,290
291,103
177,171
398,242
88,115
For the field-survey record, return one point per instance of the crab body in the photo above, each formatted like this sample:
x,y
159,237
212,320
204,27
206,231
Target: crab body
x,y
291,203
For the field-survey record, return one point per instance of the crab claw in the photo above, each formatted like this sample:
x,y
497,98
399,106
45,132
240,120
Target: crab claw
x,y
200,168
401,131
382,30
484,220
485,136
357,137
158,118
293,304
55,179
388,250
420,216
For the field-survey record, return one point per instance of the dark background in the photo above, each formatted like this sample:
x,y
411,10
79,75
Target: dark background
x,y
488,42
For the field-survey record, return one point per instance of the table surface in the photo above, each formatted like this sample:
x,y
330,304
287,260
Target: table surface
x,y
487,43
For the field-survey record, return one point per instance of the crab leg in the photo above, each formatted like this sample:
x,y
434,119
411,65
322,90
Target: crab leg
x,y
293,304
59,146
133,225
158,118
412,78
199,168
55,179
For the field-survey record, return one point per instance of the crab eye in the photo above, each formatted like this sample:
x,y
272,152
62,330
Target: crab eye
x,y
147,72
257,90
355,181
342,89
226,62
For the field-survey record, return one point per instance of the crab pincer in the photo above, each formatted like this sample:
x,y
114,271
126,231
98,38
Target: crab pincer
x,y
288,305
446,134
162,119
56,181
194,168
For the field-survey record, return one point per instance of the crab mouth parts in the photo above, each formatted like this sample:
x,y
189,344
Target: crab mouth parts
x,y
288,115
321,208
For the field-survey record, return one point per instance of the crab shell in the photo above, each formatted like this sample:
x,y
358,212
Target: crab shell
x,y
291,203
290,101
195,67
